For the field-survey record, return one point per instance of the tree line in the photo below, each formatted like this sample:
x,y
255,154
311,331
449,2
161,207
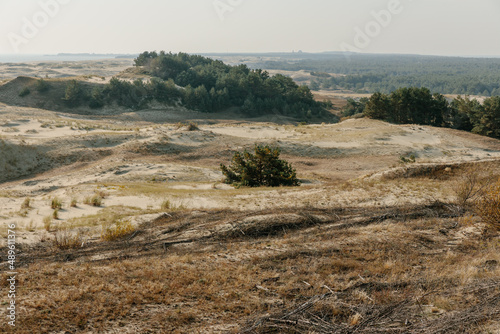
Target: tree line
x,y
416,105
386,73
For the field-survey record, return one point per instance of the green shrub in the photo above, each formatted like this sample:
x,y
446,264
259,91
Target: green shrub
x,y
264,168
42,86
24,92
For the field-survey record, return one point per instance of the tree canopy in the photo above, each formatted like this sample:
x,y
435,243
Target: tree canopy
x,y
263,168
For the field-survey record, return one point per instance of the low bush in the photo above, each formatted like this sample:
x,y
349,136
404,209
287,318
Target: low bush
x,y
24,92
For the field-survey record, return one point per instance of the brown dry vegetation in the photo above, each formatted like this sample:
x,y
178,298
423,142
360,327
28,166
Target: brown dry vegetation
x,y
405,269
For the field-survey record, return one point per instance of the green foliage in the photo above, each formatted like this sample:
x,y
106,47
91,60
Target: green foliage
x,y
366,73
264,168
210,85
42,86
418,106
486,119
96,99
407,160
378,106
24,92
354,107
73,94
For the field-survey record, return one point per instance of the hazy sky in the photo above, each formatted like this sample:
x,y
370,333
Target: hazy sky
x,y
439,27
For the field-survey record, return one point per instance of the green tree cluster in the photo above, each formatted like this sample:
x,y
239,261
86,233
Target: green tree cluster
x,y
369,73
419,106
210,85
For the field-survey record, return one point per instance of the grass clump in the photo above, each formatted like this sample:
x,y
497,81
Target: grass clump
x,y
168,206
47,223
55,214
95,200
65,239
191,126
26,204
56,203
488,206
117,231
74,203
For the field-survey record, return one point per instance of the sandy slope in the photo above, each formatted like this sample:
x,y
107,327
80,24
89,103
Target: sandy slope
x,y
140,162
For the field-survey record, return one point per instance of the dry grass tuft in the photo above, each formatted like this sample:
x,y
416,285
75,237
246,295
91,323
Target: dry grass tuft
x,y
56,203
26,204
117,231
47,222
65,239
488,206
95,200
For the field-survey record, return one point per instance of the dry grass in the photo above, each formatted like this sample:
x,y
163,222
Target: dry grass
x,y
488,206
118,230
95,200
47,223
26,204
371,270
65,239
56,203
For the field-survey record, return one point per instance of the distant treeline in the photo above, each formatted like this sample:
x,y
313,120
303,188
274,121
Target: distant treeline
x,y
419,106
386,73
203,84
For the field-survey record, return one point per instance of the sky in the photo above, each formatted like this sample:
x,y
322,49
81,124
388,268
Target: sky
x,y
431,27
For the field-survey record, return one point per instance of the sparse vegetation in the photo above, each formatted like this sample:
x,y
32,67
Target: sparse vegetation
x,y
74,203
55,214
